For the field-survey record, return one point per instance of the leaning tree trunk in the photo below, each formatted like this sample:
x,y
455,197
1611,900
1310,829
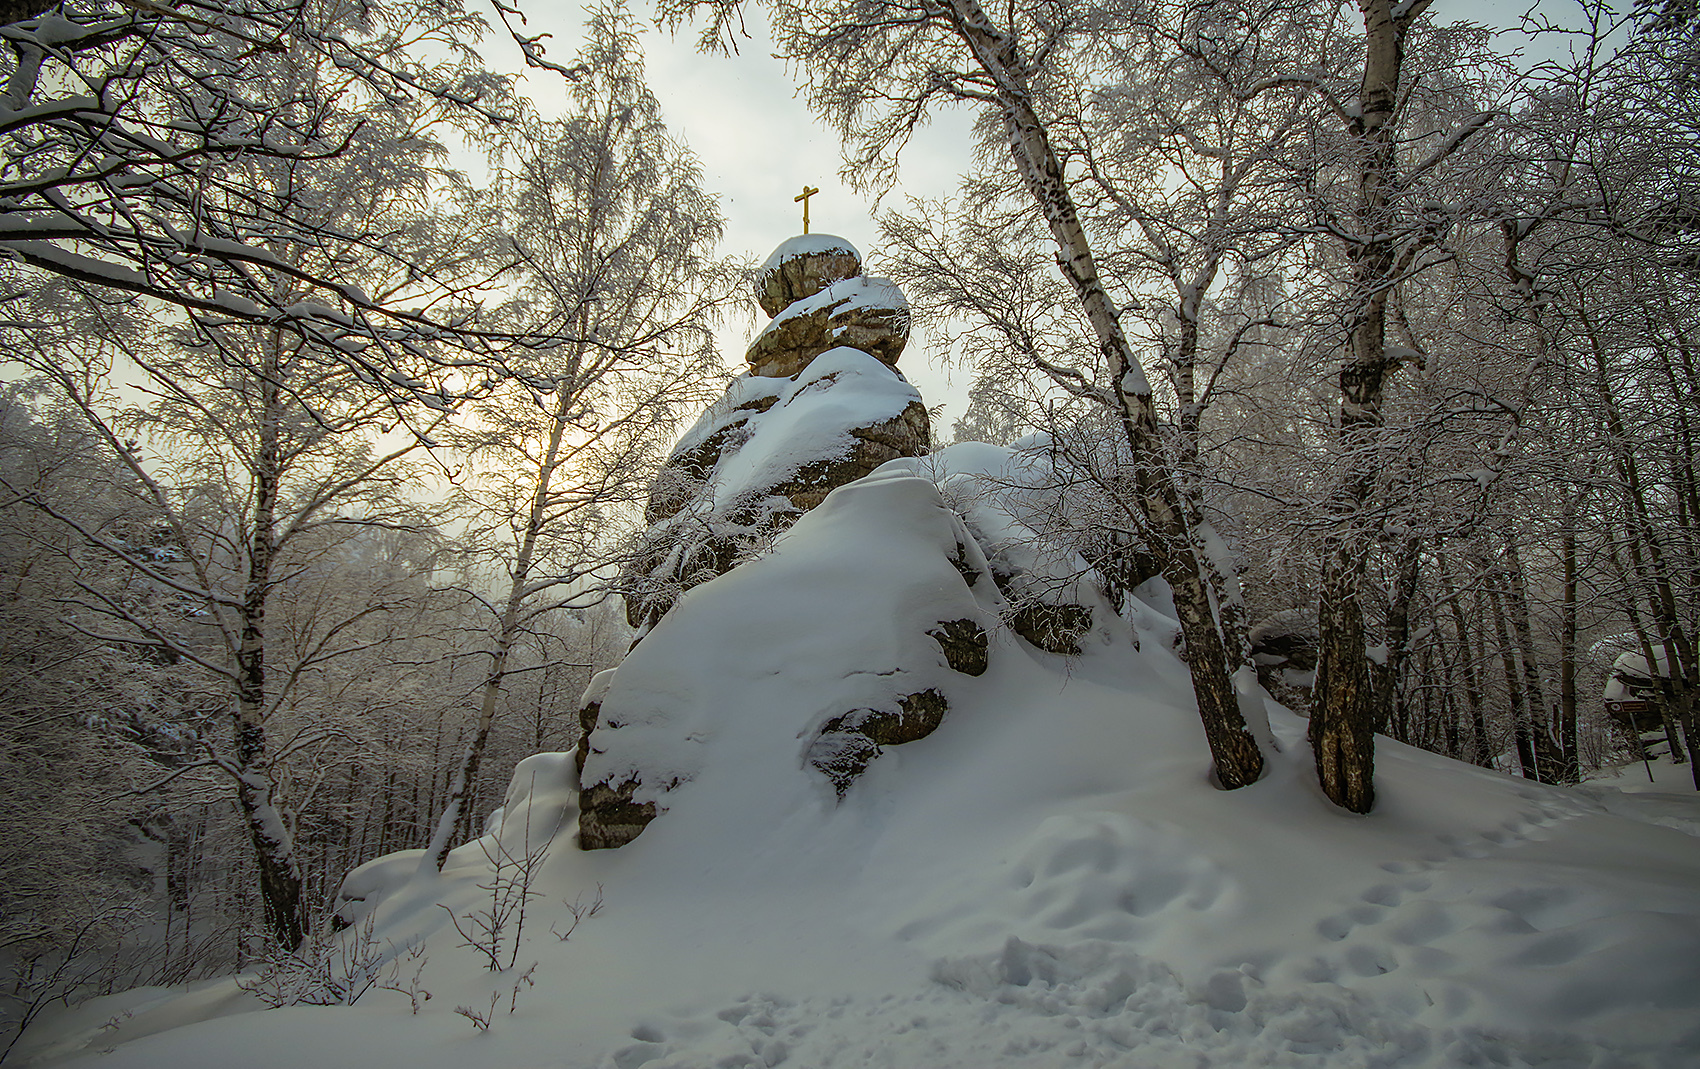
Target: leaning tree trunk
x,y
1238,759
456,816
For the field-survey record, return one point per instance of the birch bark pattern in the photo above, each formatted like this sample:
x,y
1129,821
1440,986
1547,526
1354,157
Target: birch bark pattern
x,y
280,875
1342,719
1237,757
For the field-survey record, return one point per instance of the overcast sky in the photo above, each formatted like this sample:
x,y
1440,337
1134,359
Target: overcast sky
x,y
759,145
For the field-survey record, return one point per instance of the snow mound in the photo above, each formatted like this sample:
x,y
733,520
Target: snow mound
x,y
812,420
770,449
833,621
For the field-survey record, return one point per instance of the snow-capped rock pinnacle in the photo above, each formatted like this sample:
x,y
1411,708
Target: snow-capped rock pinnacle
x,y
822,406
814,288
803,266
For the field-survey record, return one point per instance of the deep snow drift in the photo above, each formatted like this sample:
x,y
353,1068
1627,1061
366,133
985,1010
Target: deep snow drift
x,y
1048,879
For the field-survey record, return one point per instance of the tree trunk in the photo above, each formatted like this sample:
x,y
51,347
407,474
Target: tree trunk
x,y
1389,708
1343,705
1527,761
256,793
1570,765
1473,695
457,812
1238,759
1342,701
1547,756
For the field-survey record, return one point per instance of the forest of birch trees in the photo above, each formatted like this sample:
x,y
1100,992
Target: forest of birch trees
x,y
335,375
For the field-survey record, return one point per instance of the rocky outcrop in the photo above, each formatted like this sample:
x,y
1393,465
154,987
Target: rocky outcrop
x,y
847,744
822,406
803,266
964,645
697,454
882,554
589,712
1051,596
802,482
1053,627
1284,649
869,314
865,629
904,435
769,451
609,818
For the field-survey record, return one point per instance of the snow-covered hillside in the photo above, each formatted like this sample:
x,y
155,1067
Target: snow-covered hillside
x,y
1047,879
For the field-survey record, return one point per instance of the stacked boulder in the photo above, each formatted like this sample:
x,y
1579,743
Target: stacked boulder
x,y
821,406
879,611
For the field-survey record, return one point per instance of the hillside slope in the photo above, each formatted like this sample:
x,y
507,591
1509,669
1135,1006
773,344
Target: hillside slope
x,y
1047,879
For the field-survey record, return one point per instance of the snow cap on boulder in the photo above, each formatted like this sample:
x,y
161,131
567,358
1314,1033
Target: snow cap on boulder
x,y
803,266
770,450
870,314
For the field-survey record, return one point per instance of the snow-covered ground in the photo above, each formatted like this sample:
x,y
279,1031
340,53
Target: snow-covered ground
x,y
1049,879
1638,777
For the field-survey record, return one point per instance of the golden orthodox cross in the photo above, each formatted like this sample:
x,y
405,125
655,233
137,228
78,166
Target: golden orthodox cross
x,y
808,191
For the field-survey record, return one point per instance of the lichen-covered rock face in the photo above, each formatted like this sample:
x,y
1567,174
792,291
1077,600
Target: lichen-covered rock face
x,y
1054,628
802,267
847,744
863,313
964,644
609,818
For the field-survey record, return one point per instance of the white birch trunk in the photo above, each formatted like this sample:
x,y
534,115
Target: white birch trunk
x,y
1238,759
